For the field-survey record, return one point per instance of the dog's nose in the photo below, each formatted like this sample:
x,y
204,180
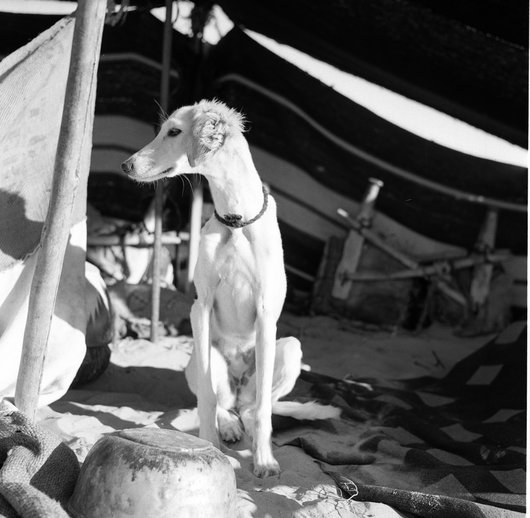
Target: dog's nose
x,y
128,166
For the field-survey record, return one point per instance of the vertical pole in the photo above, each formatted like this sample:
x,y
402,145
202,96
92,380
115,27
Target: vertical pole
x,y
367,207
354,243
482,273
159,193
80,89
197,201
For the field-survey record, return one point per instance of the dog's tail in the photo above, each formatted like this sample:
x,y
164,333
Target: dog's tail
x,y
305,411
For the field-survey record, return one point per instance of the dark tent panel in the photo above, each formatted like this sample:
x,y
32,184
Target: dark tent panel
x,y
342,145
437,54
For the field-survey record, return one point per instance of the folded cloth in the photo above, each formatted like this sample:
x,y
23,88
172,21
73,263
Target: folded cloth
x,y
38,472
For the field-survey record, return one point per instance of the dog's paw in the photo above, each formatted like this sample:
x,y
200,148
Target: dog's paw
x,y
265,465
271,468
230,427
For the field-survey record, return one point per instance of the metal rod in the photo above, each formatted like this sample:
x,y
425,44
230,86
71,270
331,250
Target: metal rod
x,y
76,125
159,193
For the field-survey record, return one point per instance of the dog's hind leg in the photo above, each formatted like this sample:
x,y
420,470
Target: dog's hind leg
x,y
228,423
230,427
287,366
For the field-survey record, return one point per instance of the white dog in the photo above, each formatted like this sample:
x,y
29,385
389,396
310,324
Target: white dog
x,y
240,282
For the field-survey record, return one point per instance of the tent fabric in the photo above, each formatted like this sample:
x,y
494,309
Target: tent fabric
x,y
251,67
341,145
66,343
129,84
468,58
130,63
310,174
33,85
33,82
251,78
447,447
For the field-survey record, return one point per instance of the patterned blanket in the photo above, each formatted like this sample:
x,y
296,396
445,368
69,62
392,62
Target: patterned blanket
x,y
453,447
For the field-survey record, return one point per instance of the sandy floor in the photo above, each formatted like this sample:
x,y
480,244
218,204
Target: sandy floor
x,y
337,348
145,386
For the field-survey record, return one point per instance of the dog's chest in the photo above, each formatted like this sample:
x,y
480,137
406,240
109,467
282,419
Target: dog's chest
x,y
235,262
234,305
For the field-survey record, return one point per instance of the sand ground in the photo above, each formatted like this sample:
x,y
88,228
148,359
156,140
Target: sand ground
x,y
144,386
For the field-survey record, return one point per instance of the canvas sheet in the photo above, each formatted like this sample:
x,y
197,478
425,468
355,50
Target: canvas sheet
x,y
454,447
32,90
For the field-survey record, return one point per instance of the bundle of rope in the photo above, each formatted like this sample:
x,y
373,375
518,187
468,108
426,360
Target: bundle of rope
x,y
38,472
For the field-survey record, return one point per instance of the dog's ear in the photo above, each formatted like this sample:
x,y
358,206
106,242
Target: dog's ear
x,y
208,133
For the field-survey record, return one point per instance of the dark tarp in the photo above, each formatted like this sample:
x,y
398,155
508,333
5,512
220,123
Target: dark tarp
x,y
436,448
467,58
239,63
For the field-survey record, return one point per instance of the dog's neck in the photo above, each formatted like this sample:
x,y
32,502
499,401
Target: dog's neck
x,y
234,182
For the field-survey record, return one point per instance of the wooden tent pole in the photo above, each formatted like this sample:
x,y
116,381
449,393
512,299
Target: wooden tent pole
x,y
86,43
354,244
159,192
197,202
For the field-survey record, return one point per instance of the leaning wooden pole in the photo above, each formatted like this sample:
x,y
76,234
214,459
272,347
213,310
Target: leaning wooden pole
x,y
86,44
159,193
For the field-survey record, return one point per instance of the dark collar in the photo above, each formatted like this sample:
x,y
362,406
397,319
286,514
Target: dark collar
x,y
237,221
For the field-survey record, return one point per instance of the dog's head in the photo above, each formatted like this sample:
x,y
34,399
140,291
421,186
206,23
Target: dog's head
x,y
189,138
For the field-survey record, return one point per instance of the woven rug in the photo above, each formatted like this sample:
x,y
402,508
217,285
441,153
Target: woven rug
x,y
427,447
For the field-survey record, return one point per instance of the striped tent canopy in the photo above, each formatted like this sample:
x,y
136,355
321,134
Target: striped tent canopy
x,y
467,58
317,148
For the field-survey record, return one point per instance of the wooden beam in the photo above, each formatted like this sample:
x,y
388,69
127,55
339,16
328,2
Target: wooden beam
x,y
354,244
403,258
159,193
79,97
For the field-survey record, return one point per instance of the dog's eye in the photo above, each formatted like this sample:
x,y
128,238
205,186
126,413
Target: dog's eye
x,y
173,132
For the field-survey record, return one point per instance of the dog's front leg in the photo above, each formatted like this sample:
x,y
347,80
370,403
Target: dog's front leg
x,y
206,398
264,462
